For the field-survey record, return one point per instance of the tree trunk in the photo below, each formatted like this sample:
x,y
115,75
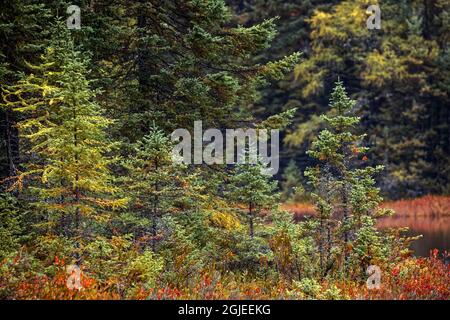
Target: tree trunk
x,y
155,210
250,214
78,233
142,53
12,144
153,231
345,225
321,244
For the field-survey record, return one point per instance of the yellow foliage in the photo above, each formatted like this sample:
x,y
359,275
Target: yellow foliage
x,y
224,220
395,58
347,20
382,68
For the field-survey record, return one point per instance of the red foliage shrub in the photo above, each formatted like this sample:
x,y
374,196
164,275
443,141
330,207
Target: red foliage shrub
x,y
411,279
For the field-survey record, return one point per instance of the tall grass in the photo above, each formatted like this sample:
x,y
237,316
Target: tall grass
x,y
427,206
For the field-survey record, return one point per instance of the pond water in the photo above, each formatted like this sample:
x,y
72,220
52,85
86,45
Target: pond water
x,y
428,216
435,232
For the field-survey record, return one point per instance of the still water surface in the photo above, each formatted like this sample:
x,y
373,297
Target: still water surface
x,y
435,232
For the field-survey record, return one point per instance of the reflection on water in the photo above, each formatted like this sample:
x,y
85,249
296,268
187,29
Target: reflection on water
x,y
428,216
435,231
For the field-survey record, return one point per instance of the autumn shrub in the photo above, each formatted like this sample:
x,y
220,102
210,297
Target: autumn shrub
x,y
119,264
184,259
54,287
412,278
421,278
110,268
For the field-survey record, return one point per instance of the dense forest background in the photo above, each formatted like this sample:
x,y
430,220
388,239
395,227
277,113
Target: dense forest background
x,y
399,75
85,152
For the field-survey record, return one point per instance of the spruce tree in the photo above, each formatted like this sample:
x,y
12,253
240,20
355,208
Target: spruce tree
x,y
250,186
157,186
345,194
182,61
